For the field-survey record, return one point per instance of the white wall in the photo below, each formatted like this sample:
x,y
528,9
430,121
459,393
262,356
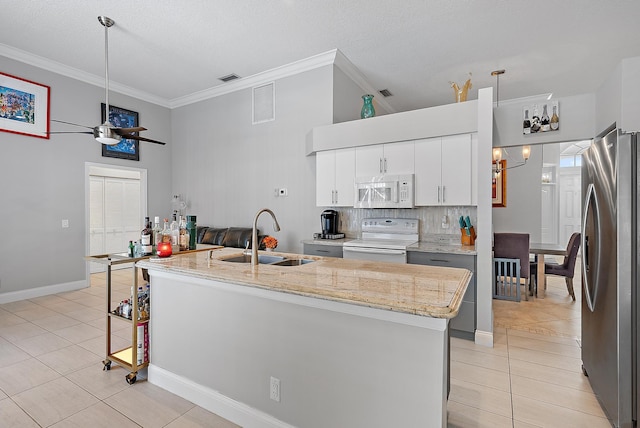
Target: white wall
x,y
43,181
577,121
227,168
523,211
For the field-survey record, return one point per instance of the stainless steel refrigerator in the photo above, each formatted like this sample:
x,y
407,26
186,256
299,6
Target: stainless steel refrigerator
x,y
609,273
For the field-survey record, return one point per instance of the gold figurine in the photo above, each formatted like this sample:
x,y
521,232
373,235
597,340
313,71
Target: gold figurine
x,y
460,95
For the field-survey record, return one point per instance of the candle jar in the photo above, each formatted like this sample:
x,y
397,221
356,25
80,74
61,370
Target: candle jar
x,y
164,249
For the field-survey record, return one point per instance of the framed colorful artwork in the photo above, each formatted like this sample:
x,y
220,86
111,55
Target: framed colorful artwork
x,y
125,149
499,184
24,106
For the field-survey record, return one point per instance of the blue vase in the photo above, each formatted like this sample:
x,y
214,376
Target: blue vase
x,y
367,107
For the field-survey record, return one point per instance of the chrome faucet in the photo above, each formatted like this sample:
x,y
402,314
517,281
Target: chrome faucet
x,y
254,234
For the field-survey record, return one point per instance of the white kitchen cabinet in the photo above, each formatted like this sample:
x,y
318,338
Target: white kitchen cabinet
x,y
380,159
335,173
443,171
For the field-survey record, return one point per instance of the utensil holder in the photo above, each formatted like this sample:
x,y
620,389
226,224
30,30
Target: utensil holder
x,y
468,239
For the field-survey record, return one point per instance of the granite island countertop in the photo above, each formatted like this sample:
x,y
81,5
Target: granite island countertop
x,y
415,289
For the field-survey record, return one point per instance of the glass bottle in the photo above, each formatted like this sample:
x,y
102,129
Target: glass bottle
x,y
175,235
146,238
157,233
131,249
526,124
191,228
555,120
166,232
184,234
544,120
367,107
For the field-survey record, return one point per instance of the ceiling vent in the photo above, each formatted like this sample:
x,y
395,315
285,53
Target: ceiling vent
x,y
229,77
385,93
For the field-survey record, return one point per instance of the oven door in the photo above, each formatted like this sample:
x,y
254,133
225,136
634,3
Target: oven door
x,y
375,254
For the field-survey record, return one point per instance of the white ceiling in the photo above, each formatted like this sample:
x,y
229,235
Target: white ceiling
x,y
170,49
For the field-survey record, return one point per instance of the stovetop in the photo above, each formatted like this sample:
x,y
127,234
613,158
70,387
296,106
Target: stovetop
x,y
391,233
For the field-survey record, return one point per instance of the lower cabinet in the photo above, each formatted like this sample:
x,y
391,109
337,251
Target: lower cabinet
x,y
322,250
464,325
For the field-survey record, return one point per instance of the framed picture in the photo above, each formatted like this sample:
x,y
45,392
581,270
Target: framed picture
x,y
125,149
24,106
499,185
541,118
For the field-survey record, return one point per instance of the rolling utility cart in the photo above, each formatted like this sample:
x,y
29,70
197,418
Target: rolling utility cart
x,y
129,357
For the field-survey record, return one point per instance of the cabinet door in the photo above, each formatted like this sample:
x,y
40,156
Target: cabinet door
x,y
399,158
345,170
325,178
456,170
369,160
427,169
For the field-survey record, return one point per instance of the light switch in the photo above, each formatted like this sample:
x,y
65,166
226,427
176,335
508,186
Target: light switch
x,y
65,223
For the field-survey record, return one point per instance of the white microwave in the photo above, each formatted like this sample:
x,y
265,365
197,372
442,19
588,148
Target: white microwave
x,y
386,191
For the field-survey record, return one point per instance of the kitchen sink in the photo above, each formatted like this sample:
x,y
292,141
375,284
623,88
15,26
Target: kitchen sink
x,y
262,259
292,262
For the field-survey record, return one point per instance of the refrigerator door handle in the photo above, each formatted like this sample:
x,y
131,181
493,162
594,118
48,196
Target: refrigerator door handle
x,y
590,197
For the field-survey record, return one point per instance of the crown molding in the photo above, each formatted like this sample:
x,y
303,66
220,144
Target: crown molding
x,y
344,64
74,73
332,57
316,61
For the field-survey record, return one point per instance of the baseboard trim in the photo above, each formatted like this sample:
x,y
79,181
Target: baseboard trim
x,y
228,408
30,293
484,338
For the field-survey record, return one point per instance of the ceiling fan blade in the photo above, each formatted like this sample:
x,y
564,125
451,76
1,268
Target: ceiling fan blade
x,y
71,123
71,132
139,138
123,131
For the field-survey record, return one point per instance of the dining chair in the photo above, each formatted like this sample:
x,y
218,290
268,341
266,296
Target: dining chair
x,y
512,246
566,269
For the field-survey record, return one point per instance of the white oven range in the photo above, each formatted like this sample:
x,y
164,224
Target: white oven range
x,y
383,240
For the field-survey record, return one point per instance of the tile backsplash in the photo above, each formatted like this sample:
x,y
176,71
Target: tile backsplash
x,y
431,220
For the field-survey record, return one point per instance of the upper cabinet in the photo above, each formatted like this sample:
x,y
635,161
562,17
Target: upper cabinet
x,y
335,173
380,159
443,171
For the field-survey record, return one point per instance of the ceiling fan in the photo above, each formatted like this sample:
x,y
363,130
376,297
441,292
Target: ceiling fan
x,y
107,133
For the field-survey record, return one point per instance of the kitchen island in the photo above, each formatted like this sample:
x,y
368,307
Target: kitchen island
x,y
350,343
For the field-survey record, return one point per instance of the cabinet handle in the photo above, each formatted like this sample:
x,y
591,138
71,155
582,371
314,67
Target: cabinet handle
x,y
438,194
322,251
385,165
443,198
439,260
336,201
380,168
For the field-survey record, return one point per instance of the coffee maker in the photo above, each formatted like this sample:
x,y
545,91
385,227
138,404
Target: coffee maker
x,y
329,223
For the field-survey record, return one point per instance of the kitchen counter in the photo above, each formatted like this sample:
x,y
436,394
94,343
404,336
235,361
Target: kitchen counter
x,y
419,290
349,343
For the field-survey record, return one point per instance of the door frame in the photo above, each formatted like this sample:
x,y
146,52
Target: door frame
x,y
88,168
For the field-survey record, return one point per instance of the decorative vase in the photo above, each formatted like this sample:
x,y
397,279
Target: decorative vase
x,y
367,107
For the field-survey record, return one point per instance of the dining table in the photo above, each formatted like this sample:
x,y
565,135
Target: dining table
x,y
540,249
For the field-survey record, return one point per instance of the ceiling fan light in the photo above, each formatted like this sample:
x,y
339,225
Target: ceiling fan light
x,y
108,141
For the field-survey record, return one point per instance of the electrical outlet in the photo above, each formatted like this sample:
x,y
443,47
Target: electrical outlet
x,y
274,389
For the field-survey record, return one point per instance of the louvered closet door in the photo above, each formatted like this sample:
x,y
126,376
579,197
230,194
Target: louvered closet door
x,y
114,215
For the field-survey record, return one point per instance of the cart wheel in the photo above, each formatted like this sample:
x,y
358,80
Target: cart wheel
x,y
107,365
130,378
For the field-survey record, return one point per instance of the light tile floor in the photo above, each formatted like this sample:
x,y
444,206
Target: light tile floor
x,y
52,347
